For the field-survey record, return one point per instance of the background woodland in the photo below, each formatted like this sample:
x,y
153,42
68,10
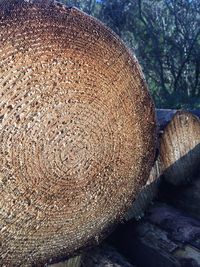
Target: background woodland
x,y
165,36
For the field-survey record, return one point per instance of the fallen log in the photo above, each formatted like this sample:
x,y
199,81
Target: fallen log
x,y
164,116
179,153
77,132
164,237
178,156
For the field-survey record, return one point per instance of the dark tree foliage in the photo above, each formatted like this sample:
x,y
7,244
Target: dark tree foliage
x,y
165,35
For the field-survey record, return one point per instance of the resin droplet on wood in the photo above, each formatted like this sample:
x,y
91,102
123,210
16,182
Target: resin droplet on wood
x,y
77,132
180,148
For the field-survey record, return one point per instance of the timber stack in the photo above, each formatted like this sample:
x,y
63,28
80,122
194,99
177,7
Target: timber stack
x,y
168,232
78,142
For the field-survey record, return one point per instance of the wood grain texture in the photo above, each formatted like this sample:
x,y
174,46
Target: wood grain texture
x,y
172,142
77,132
164,116
180,148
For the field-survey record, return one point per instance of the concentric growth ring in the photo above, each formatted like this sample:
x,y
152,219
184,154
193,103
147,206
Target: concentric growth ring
x,y
77,132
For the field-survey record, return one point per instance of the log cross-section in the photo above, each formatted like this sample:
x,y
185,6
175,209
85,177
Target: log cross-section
x,y
77,131
180,148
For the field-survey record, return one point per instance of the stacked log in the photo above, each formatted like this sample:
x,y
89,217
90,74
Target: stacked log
x,y
77,132
169,236
180,148
178,159
78,142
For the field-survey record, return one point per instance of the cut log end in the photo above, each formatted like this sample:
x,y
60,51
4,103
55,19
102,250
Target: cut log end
x,y
180,148
77,132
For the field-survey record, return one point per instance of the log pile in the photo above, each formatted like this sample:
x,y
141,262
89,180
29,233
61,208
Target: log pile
x,y
169,232
78,138
178,159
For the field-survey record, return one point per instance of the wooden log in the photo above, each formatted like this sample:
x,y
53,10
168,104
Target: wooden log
x,y
104,256
178,159
77,142
164,116
175,196
165,237
179,151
